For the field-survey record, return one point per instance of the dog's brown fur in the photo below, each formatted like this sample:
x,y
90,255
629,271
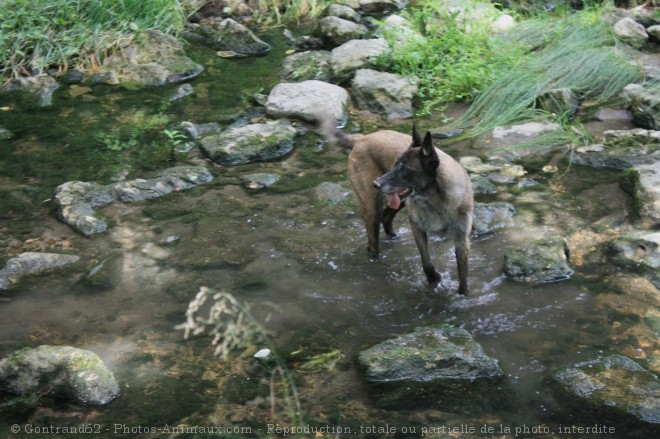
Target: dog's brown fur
x,y
443,205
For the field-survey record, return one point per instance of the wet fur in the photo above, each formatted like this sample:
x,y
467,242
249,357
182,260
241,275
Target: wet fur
x,y
441,201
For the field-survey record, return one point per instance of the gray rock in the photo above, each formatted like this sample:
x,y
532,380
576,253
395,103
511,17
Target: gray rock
x,y
401,29
637,251
382,6
343,11
196,131
61,371
228,36
29,263
515,135
308,100
621,149
5,133
644,103
643,182
260,180
489,217
303,66
155,60
181,92
37,91
654,32
384,93
562,101
482,186
354,55
614,388
75,200
336,31
541,261
431,361
250,143
631,32
332,193
170,180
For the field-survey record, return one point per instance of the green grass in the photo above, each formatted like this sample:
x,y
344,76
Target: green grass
x,y
277,12
454,58
40,34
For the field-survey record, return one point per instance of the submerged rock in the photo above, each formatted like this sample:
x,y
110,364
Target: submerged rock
x,y
251,143
32,263
75,200
61,371
613,388
308,100
541,261
155,60
228,36
354,55
5,133
489,217
332,193
384,93
427,366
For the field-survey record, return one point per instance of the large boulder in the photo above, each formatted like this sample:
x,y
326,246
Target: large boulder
x,y
612,389
32,263
308,100
354,55
153,60
431,365
644,103
304,66
541,261
61,371
228,36
251,143
387,94
336,31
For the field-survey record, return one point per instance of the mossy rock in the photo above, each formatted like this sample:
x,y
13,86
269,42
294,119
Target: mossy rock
x,y
541,261
612,389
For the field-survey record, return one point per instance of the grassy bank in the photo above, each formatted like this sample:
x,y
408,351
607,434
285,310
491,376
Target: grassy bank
x,y
40,34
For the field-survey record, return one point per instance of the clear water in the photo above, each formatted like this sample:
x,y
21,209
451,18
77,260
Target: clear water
x,y
299,261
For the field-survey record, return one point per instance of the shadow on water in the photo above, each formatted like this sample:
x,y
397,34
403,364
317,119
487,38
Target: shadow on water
x,y
284,246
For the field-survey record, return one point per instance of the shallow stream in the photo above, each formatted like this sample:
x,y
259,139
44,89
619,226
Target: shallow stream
x,y
299,260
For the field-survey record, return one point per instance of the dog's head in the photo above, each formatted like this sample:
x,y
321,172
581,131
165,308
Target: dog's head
x,y
413,172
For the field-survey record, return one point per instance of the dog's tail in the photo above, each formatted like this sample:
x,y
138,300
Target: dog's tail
x,y
327,128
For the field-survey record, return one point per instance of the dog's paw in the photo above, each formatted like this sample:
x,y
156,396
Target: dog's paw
x,y
432,276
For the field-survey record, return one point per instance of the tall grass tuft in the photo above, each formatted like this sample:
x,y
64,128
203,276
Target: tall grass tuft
x,y
577,52
39,34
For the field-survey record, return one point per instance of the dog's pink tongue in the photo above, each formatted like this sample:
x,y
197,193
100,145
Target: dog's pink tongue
x,y
393,201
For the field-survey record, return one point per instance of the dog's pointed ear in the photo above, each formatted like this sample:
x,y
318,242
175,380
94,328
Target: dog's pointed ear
x,y
428,154
417,139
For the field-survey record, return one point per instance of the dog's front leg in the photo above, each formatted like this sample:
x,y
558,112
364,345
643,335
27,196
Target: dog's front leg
x,y
422,241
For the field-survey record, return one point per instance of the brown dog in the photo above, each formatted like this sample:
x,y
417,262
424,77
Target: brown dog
x,y
436,186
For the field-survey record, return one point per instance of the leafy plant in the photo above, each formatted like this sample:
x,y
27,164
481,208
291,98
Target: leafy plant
x,y
232,326
175,137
